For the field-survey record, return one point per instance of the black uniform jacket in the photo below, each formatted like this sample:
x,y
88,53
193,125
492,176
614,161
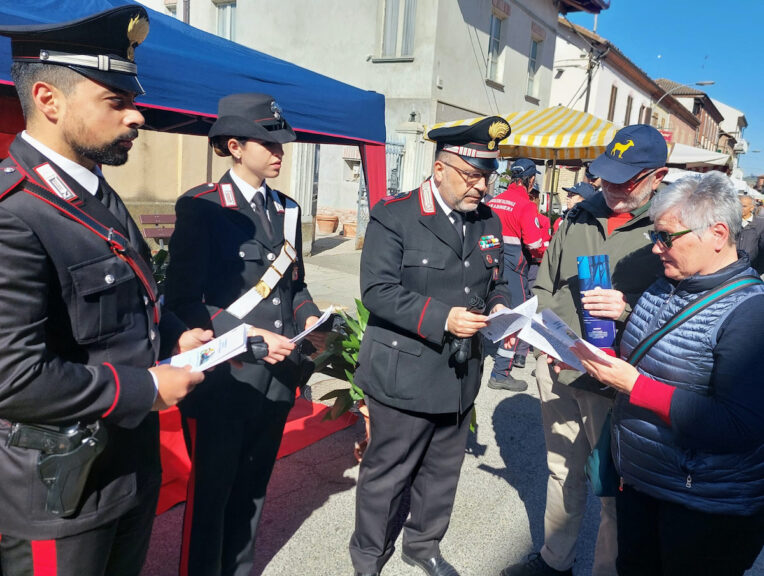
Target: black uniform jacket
x,y
217,253
414,269
77,335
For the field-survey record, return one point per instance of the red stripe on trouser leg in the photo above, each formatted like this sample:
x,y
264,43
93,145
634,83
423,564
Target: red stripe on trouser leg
x,y
44,557
188,516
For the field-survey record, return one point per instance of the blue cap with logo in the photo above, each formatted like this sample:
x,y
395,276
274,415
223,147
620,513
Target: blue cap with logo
x,y
583,189
523,168
634,149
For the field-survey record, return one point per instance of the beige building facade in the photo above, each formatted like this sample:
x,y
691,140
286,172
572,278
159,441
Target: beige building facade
x,y
434,60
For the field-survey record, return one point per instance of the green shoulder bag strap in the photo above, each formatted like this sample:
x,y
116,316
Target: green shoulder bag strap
x,y
729,287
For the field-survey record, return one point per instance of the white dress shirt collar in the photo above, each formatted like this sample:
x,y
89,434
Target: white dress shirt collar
x,y
84,177
247,190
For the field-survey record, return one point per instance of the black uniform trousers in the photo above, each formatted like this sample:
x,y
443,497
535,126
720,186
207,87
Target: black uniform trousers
x,y
117,548
232,460
426,449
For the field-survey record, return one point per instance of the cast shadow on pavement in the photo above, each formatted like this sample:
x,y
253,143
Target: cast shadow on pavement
x,y
300,484
517,427
322,244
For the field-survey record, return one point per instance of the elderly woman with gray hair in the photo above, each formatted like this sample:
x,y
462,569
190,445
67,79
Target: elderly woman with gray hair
x,y
688,419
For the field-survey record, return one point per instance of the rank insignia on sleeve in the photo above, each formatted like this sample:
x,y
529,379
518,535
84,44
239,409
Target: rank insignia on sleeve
x,y
488,242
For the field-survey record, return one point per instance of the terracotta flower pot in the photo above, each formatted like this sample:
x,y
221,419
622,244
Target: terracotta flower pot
x,y
327,224
348,229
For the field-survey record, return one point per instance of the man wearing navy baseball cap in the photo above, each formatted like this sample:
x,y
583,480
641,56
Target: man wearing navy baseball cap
x,y
573,406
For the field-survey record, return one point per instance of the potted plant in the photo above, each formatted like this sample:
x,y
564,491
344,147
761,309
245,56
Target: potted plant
x,y
347,398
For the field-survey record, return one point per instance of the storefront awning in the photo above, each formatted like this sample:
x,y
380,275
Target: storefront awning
x,y
556,133
684,156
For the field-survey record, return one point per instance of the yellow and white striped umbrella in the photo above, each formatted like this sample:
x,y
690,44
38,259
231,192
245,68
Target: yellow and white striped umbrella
x,y
556,133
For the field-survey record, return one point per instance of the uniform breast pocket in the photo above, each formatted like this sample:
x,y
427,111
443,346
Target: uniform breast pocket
x,y
491,261
421,269
250,252
103,300
395,361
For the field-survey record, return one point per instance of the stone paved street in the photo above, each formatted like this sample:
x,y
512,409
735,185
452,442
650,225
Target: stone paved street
x,y
309,515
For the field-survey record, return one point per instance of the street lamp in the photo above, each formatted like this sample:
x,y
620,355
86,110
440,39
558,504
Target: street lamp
x,y
675,88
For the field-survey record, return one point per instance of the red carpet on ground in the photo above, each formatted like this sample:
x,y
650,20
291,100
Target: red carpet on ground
x,y
304,426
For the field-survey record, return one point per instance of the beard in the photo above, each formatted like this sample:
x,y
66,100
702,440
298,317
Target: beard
x,y
636,199
111,154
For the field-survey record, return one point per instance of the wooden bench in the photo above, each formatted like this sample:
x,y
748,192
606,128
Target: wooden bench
x,y
158,226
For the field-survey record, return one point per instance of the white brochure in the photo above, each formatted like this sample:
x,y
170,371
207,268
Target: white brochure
x,y
544,331
214,352
324,317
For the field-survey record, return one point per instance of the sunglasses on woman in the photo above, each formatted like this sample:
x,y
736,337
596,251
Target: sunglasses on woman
x,y
666,238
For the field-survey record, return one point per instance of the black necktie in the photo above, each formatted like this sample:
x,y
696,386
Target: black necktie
x,y
109,198
458,223
259,206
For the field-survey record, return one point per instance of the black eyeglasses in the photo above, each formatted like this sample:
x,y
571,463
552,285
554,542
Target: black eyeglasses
x,y
634,182
472,178
666,238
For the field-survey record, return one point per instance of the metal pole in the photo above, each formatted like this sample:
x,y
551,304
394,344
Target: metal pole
x,y
362,218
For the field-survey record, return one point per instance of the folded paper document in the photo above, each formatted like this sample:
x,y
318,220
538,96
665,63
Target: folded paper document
x,y
544,331
324,317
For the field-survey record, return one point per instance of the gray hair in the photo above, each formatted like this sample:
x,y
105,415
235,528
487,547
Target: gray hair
x,y
701,202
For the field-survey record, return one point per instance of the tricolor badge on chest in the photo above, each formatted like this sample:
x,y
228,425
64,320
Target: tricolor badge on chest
x,y
488,242
56,183
227,196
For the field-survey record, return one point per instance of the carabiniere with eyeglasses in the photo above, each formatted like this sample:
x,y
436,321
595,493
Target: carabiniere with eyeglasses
x,y
473,177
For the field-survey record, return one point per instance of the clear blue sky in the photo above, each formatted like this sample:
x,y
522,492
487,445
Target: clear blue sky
x,y
692,40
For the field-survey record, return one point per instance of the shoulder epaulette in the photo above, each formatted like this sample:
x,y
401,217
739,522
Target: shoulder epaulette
x,y
10,178
202,190
397,196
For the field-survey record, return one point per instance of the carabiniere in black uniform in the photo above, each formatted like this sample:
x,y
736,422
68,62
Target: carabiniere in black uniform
x,y
220,250
415,269
79,445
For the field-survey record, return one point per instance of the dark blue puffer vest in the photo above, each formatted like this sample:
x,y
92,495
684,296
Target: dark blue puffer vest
x,y
645,449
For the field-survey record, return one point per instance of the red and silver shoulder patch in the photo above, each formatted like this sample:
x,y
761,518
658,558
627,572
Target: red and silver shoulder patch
x,y
227,197
55,183
426,199
208,188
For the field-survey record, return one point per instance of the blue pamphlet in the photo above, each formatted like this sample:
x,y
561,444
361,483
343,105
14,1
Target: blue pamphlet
x,y
593,272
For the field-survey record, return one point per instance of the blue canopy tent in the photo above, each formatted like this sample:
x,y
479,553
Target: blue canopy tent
x,y
185,71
